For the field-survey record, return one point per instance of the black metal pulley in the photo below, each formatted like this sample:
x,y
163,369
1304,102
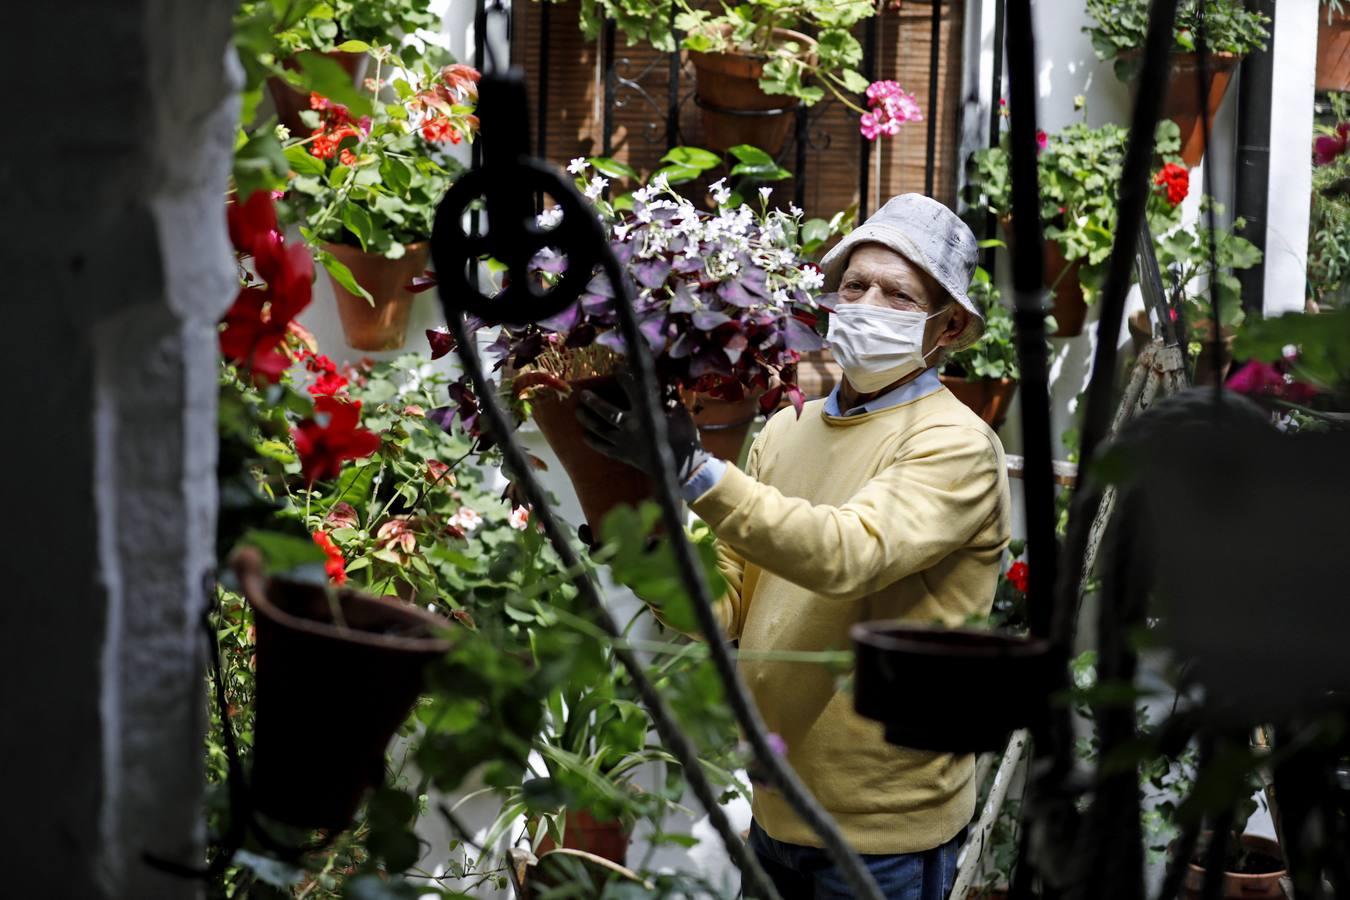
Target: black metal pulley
x,y
492,212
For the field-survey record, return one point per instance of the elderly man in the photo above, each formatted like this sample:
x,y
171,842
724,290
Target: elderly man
x,y
886,500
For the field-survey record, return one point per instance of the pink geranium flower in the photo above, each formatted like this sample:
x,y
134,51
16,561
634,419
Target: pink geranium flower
x,y
889,107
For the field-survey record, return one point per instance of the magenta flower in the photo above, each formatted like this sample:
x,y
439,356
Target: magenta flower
x,y
889,107
1327,147
1258,378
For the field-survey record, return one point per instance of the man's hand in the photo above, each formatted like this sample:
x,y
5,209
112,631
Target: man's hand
x,y
617,433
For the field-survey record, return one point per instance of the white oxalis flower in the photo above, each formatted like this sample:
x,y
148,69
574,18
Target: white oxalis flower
x,y
765,193
577,165
596,187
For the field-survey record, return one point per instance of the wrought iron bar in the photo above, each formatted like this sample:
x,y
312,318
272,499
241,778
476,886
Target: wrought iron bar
x,y
673,87
799,177
541,113
935,46
864,145
995,125
607,116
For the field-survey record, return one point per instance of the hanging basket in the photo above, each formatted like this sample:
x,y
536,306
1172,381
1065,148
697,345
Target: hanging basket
x,y
382,322
600,483
734,108
1244,885
987,397
1333,51
949,690
329,696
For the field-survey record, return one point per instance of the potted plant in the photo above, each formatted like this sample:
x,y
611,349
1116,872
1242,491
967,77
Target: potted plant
x,y
1231,31
275,36
1079,169
1253,867
725,303
367,191
1329,227
1333,47
1190,275
984,375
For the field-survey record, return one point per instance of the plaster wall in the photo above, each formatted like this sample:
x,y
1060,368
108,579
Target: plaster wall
x,y
117,267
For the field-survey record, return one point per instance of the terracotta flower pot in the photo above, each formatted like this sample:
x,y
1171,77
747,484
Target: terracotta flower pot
x,y
979,685
607,840
600,482
329,695
723,424
290,103
1244,885
1141,330
734,109
1061,276
988,397
1333,51
383,323
1182,104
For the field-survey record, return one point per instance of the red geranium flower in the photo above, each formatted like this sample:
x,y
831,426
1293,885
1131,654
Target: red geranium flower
x,y
335,566
324,445
1176,180
440,129
251,222
1327,147
1018,577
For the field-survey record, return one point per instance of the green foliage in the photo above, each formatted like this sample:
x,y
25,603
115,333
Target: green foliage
x,y
1329,233
994,355
1119,27
1322,342
1079,172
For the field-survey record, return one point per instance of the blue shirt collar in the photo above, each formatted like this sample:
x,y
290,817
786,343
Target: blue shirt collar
x,y
925,384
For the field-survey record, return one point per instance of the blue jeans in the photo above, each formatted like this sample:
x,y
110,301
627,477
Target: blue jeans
x,y
806,873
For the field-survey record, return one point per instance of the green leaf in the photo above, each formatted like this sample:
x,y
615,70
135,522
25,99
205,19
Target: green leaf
x,y
283,552
854,81
677,174
770,172
354,484
342,275
358,222
693,158
815,231
322,74
612,167
752,155
353,47
302,162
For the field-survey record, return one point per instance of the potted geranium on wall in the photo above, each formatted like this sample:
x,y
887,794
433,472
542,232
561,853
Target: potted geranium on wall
x,y
368,188
1079,170
1231,31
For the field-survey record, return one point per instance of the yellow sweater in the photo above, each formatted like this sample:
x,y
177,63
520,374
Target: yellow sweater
x,y
901,513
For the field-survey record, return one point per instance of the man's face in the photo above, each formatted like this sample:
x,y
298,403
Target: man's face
x,y
878,276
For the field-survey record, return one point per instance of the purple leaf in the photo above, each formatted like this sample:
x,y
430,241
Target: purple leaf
x,y
683,301
595,304
612,340
681,347
548,261
652,273
623,252
733,292
687,264
441,341
564,321
600,286
653,330
800,338
708,319
709,362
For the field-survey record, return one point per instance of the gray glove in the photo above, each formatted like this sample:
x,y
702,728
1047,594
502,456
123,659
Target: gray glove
x,y
617,433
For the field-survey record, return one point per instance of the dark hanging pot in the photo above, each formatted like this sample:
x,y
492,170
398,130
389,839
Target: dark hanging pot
x,y
1333,51
600,483
290,103
382,322
1182,103
977,686
330,694
582,831
1263,867
734,108
723,424
987,397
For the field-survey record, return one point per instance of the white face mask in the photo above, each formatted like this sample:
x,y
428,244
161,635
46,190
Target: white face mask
x,y
876,346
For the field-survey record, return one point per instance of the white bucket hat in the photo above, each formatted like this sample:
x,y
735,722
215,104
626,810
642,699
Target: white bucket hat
x,y
928,234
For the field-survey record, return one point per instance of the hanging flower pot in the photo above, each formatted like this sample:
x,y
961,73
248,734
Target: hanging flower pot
x,y
723,424
1333,50
335,679
987,397
1260,867
600,482
1061,277
290,103
582,831
735,110
1181,102
1008,680
380,323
